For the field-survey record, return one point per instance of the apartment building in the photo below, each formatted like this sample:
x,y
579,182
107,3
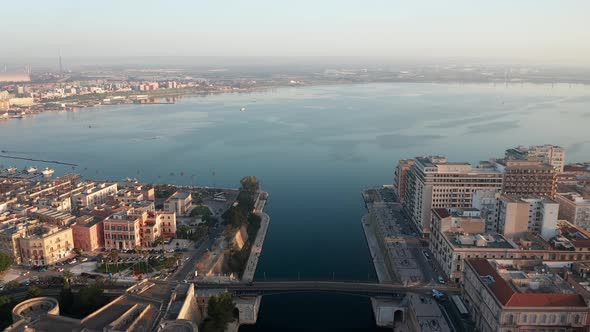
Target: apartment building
x,y
9,235
548,154
527,177
400,178
122,231
575,208
434,182
88,233
529,213
154,224
180,203
459,235
45,245
95,195
140,226
505,297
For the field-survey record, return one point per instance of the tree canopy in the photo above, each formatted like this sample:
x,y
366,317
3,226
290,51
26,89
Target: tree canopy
x,y
90,298
5,261
34,291
220,312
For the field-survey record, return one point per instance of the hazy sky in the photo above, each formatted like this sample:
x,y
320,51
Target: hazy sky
x,y
548,31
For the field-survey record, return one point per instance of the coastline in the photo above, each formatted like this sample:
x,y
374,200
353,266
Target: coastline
x,y
203,93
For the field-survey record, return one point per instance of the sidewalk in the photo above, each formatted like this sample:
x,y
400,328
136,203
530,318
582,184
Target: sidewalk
x,y
376,254
256,249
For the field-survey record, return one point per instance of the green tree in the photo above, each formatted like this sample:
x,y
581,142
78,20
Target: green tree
x,y
66,298
182,232
90,298
159,240
34,291
4,300
220,312
5,261
12,284
236,216
6,306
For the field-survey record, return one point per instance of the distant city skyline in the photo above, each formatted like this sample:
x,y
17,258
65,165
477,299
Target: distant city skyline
x,y
543,32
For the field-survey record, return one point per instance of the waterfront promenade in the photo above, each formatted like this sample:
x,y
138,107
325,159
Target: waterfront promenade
x,y
256,249
376,254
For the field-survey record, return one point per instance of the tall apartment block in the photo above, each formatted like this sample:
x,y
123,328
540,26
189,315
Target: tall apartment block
x,y
434,182
575,208
520,214
399,178
548,154
527,177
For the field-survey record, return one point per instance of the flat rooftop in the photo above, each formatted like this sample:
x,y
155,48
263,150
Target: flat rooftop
x,y
491,240
180,195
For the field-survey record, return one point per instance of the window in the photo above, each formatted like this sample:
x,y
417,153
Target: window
x,y
510,319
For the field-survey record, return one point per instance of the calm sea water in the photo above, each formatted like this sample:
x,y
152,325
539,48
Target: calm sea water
x,y
314,149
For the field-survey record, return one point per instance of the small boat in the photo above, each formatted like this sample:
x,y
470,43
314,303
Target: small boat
x,y
31,169
243,109
11,169
48,172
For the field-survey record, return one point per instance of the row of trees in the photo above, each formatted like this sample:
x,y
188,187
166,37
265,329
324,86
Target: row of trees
x,y
241,216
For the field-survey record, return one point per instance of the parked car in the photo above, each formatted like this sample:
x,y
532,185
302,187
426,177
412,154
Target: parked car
x,y
84,259
441,280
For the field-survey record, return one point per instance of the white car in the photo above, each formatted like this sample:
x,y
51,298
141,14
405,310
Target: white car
x,y
73,261
84,259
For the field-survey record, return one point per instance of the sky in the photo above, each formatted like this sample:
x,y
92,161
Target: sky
x,y
540,31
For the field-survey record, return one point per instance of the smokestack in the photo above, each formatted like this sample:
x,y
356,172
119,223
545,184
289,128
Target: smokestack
x,y
60,65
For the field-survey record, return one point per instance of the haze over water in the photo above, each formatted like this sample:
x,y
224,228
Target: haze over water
x,y
313,149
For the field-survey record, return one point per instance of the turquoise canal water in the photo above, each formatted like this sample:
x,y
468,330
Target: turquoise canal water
x,y
314,149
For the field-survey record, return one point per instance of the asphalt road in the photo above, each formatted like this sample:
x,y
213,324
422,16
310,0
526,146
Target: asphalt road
x,y
332,286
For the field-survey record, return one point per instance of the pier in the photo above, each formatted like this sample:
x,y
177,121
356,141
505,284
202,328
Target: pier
x,y
38,160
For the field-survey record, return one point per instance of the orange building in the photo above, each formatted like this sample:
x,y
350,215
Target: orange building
x,y
88,233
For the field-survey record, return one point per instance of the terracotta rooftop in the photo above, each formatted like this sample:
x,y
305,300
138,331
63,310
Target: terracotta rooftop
x,y
510,298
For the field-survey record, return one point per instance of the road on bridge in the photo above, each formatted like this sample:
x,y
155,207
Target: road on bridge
x,y
326,286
